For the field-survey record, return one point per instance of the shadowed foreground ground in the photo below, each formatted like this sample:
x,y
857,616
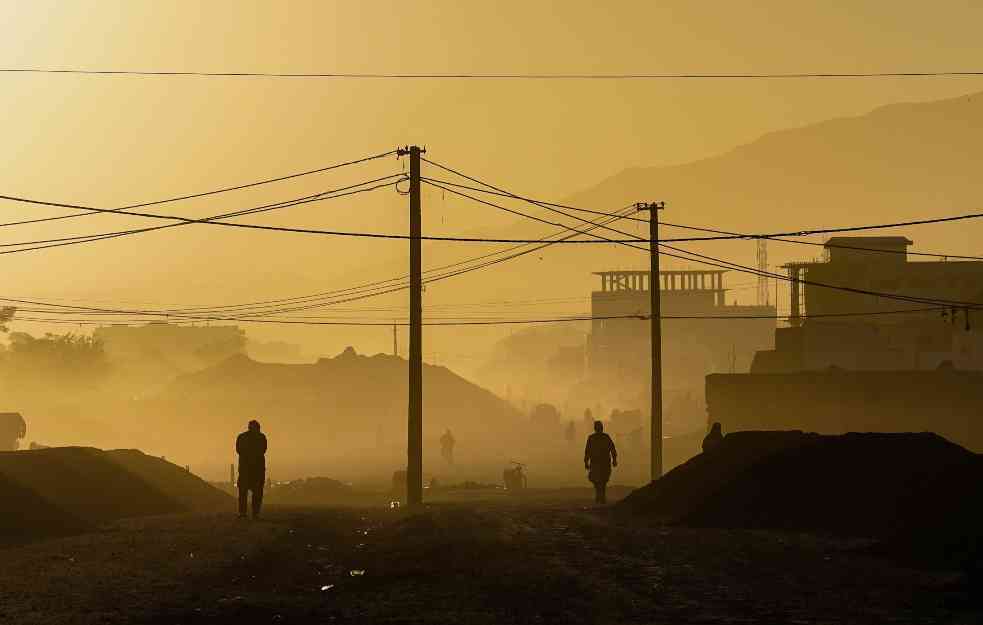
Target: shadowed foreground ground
x,y
479,562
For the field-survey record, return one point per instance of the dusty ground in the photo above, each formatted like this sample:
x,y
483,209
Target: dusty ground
x,y
495,560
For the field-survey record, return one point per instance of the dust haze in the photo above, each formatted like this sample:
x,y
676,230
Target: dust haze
x,y
700,333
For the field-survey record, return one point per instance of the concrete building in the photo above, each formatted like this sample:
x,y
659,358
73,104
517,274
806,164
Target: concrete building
x,y
619,349
853,329
851,360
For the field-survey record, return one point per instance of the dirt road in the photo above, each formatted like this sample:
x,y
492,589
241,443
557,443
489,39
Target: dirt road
x,y
476,562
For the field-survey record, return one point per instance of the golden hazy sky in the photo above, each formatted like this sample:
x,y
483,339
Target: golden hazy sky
x,y
115,140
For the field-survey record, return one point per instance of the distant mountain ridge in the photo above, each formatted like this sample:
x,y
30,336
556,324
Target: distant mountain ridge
x,y
897,162
892,161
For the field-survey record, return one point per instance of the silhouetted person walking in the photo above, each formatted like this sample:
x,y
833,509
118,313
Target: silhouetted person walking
x,y
251,447
713,438
599,456
447,446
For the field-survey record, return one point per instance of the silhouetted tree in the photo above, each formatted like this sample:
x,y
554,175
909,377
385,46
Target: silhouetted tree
x,y
6,316
63,359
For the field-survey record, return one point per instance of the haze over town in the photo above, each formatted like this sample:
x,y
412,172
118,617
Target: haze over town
x,y
730,255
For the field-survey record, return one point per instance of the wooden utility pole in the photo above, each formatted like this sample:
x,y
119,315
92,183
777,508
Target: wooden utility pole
x,y
414,431
655,306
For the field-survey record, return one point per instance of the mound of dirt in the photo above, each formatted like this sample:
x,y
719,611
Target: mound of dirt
x,y
347,393
892,486
69,489
176,483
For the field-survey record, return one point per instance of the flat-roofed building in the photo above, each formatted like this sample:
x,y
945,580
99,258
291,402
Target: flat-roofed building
x,y
701,333
869,307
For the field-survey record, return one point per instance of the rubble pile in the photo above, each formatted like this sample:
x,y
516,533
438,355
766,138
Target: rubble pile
x,y
889,486
64,490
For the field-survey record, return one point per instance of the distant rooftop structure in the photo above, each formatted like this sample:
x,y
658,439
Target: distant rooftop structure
x,y
619,348
867,249
871,274
671,280
870,242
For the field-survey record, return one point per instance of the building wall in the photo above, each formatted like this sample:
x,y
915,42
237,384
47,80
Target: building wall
x,y
946,402
956,281
691,347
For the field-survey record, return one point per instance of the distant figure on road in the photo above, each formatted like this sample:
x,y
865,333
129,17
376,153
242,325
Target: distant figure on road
x,y
251,447
399,484
447,447
713,438
571,432
12,429
599,456
515,478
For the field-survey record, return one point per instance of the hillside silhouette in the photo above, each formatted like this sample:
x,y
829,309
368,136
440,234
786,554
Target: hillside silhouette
x,y
350,406
894,162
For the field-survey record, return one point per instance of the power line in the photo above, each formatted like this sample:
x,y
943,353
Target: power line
x,y
519,213
389,323
341,233
730,234
258,183
496,76
540,242
802,233
459,239
354,293
494,190
317,197
716,261
725,264
399,282
214,191
547,205
387,285
533,217
823,245
503,193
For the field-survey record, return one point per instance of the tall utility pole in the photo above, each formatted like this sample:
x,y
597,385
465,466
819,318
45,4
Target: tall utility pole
x,y
395,344
655,306
414,430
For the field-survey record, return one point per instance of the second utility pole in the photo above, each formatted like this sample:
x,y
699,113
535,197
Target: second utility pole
x,y
414,431
655,308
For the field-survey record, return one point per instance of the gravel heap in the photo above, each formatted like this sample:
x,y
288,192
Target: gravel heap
x,y
65,490
901,487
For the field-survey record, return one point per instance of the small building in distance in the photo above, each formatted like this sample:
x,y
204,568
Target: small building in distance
x,y
701,340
